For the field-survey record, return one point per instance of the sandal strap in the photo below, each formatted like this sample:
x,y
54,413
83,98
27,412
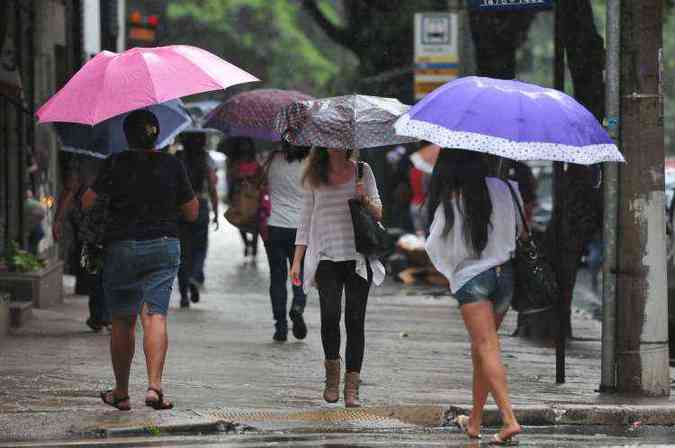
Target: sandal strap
x,y
160,394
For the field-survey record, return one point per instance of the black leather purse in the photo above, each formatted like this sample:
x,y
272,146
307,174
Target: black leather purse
x,y
535,285
371,237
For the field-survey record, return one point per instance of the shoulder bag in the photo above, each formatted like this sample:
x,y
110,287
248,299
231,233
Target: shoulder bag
x,y
535,285
370,236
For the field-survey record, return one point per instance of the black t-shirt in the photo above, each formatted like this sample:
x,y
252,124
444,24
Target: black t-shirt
x,y
146,189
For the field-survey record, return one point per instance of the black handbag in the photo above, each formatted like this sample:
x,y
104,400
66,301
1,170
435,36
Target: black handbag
x,y
370,236
535,285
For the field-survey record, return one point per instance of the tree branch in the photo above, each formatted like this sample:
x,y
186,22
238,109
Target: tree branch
x,y
337,34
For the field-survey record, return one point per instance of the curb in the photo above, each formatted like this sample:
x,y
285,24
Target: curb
x,y
434,416
195,428
571,415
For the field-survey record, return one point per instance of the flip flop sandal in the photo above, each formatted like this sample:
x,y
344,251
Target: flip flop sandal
x,y
508,441
115,402
158,404
462,422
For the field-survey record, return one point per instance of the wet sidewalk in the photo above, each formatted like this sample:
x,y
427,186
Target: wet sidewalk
x,y
225,372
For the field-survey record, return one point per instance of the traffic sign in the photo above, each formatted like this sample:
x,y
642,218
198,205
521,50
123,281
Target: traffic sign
x,y
436,58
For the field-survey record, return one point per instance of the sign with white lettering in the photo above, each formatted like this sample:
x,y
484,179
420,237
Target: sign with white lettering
x,y
503,5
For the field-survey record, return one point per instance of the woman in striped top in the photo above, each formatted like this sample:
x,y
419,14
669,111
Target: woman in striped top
x,y
325,238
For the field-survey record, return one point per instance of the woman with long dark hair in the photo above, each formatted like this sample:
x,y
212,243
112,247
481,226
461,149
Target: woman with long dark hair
x,y
284,172
472,241
325,239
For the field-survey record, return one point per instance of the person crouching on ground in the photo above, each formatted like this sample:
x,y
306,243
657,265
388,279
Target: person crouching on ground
x,y
472,241
325,239
284,173
147,191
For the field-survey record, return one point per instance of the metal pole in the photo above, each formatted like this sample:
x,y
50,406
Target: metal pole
x,y
611,198
559,179
641,303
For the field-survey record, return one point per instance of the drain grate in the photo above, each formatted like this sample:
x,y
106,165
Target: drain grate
x,y
330,417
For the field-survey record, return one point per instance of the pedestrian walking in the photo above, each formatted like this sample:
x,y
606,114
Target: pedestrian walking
x,y
242,166
472,242
325,238
194,236
284,173
80,173
146,190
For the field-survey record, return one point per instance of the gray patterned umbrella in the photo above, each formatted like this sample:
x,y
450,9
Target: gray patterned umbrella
x,y
342,122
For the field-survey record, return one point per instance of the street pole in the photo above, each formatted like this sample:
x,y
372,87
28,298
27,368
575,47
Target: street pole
x,y
610,187
558,192
641,313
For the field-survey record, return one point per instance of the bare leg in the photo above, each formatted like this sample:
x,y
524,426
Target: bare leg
x,y
481,388
479,319
122,346
155,344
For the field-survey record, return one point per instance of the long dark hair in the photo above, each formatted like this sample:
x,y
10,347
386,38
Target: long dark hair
x,y
461,175
293,153
318,165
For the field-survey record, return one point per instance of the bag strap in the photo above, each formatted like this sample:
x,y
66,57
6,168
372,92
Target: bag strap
x,y
359,171
520,209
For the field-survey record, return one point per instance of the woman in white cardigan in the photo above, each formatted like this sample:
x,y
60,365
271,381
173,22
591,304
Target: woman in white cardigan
x,y
325,239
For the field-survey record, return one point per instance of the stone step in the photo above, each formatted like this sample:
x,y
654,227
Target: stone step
x,y
20,312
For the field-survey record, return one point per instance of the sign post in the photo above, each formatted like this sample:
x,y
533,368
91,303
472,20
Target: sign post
x,y
436,51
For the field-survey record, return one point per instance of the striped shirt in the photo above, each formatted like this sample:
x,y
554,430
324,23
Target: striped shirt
x,y
326,225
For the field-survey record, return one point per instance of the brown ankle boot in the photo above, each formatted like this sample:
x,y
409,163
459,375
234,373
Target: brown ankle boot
x,y
331,392
352,380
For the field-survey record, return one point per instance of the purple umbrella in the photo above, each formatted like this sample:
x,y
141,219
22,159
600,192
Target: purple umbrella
x,y
251,114
510,119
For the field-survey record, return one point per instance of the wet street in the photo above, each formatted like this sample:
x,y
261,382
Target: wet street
x,y
230,380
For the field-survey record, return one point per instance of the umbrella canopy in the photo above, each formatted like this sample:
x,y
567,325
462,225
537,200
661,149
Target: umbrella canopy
x,y
114,83
108,136
251,114
510,119
342,122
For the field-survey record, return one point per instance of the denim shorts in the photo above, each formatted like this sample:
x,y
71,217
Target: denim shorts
x,y
495,285
140,272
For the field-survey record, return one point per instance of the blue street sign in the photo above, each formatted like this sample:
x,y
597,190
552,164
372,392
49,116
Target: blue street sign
x,y
504,5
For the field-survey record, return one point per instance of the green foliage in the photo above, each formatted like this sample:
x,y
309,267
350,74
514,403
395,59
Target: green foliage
x,y
273,39
19,260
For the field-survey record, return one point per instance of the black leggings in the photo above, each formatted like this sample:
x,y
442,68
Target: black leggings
x,y
331,278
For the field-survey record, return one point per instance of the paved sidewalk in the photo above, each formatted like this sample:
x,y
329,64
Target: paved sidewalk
x,y
223,366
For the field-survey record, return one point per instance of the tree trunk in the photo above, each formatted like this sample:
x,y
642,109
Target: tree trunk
x,y
577,213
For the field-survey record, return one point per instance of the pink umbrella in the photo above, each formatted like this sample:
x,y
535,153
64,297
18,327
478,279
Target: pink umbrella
x,y
114,83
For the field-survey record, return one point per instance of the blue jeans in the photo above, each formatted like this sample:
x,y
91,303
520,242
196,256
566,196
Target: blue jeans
x,y
280,247
494,285
140,272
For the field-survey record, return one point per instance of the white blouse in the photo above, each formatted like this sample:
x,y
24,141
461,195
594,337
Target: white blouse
x,y
326,228
450,254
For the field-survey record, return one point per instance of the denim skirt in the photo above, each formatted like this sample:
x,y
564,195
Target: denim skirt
x,y
140,272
